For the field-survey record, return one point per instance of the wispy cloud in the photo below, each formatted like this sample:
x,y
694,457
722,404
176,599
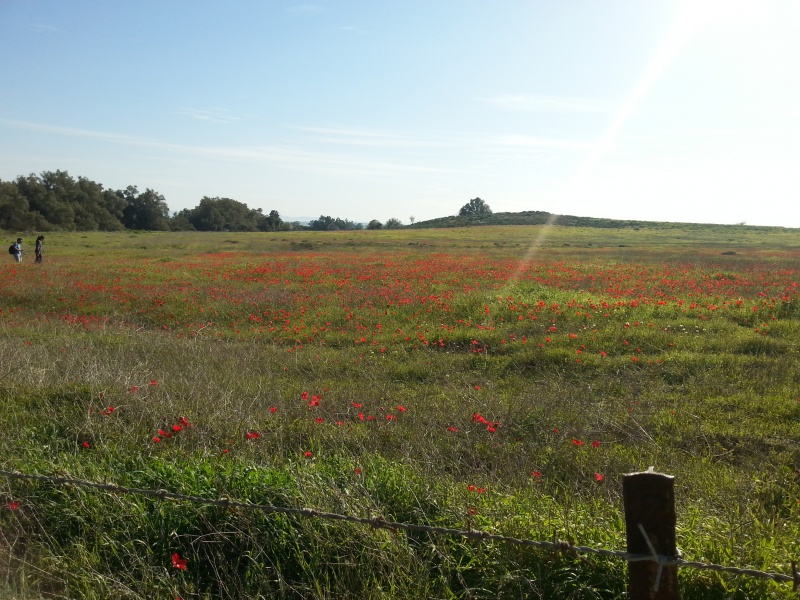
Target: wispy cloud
x,y
540,103
213,115
43,28
527,141
374,138
287,156
362,137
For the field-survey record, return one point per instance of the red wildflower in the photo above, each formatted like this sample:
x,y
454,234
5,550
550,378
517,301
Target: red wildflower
x,y
356,404
401,408
595,444
153,382
133,389
471,488
358,471
453,429
304,395
177,428
273,409
319,420
598,477
156,439
578,442
490,429
308,454
178,562
252,435
536,474
13,505
184,421
86,445
472,510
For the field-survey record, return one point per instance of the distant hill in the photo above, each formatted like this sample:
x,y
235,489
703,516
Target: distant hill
x,y
538,217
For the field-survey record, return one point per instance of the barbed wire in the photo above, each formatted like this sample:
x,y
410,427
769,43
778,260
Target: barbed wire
x,y
380,523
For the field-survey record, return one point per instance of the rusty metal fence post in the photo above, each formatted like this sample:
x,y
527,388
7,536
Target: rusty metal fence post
x,y
649,501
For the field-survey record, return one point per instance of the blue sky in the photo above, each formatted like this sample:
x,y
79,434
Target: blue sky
x,y
659,110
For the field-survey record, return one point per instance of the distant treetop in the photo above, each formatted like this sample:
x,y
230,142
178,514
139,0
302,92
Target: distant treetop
x,y
476,206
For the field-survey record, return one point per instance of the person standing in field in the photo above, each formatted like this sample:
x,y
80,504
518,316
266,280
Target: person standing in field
x,y
38,250
16,250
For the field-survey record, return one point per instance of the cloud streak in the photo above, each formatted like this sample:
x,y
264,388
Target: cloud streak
x,y
212,115
288,157
541,103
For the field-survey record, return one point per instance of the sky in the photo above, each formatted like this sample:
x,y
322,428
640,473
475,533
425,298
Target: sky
x,y
662,110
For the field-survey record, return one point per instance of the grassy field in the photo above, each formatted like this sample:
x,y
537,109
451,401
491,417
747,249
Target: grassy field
x,y
500,378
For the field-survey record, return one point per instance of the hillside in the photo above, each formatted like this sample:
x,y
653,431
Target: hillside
x,y
538,217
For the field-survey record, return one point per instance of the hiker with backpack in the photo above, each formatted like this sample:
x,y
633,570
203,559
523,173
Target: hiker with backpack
x,y
39,242
15,250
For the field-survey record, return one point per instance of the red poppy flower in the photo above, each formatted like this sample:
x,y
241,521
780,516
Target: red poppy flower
x,y
356,404
13,505
595,444
177,428
304,395
472,510
308,454
401,408
86,445
252,435
598,477
536,474
153,382
184,421
178,562
358,471
578,442
156,439
273,409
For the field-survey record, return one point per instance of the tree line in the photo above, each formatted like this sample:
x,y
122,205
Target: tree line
x,y
55,200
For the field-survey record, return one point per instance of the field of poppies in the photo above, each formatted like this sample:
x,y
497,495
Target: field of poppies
x,y
498,378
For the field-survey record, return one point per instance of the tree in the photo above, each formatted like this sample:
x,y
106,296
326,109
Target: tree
x,y
272,222
14,208
327,223
476,206
393,223
147,210
374,224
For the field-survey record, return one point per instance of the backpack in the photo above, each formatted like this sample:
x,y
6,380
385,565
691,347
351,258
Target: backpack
x,y
12,249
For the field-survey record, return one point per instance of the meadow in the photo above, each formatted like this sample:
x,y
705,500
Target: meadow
x,y
498,378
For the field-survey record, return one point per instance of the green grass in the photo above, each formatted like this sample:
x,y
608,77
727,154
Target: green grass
x,y
712,400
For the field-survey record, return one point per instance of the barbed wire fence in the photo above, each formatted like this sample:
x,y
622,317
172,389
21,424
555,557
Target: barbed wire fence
x,y
645,491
